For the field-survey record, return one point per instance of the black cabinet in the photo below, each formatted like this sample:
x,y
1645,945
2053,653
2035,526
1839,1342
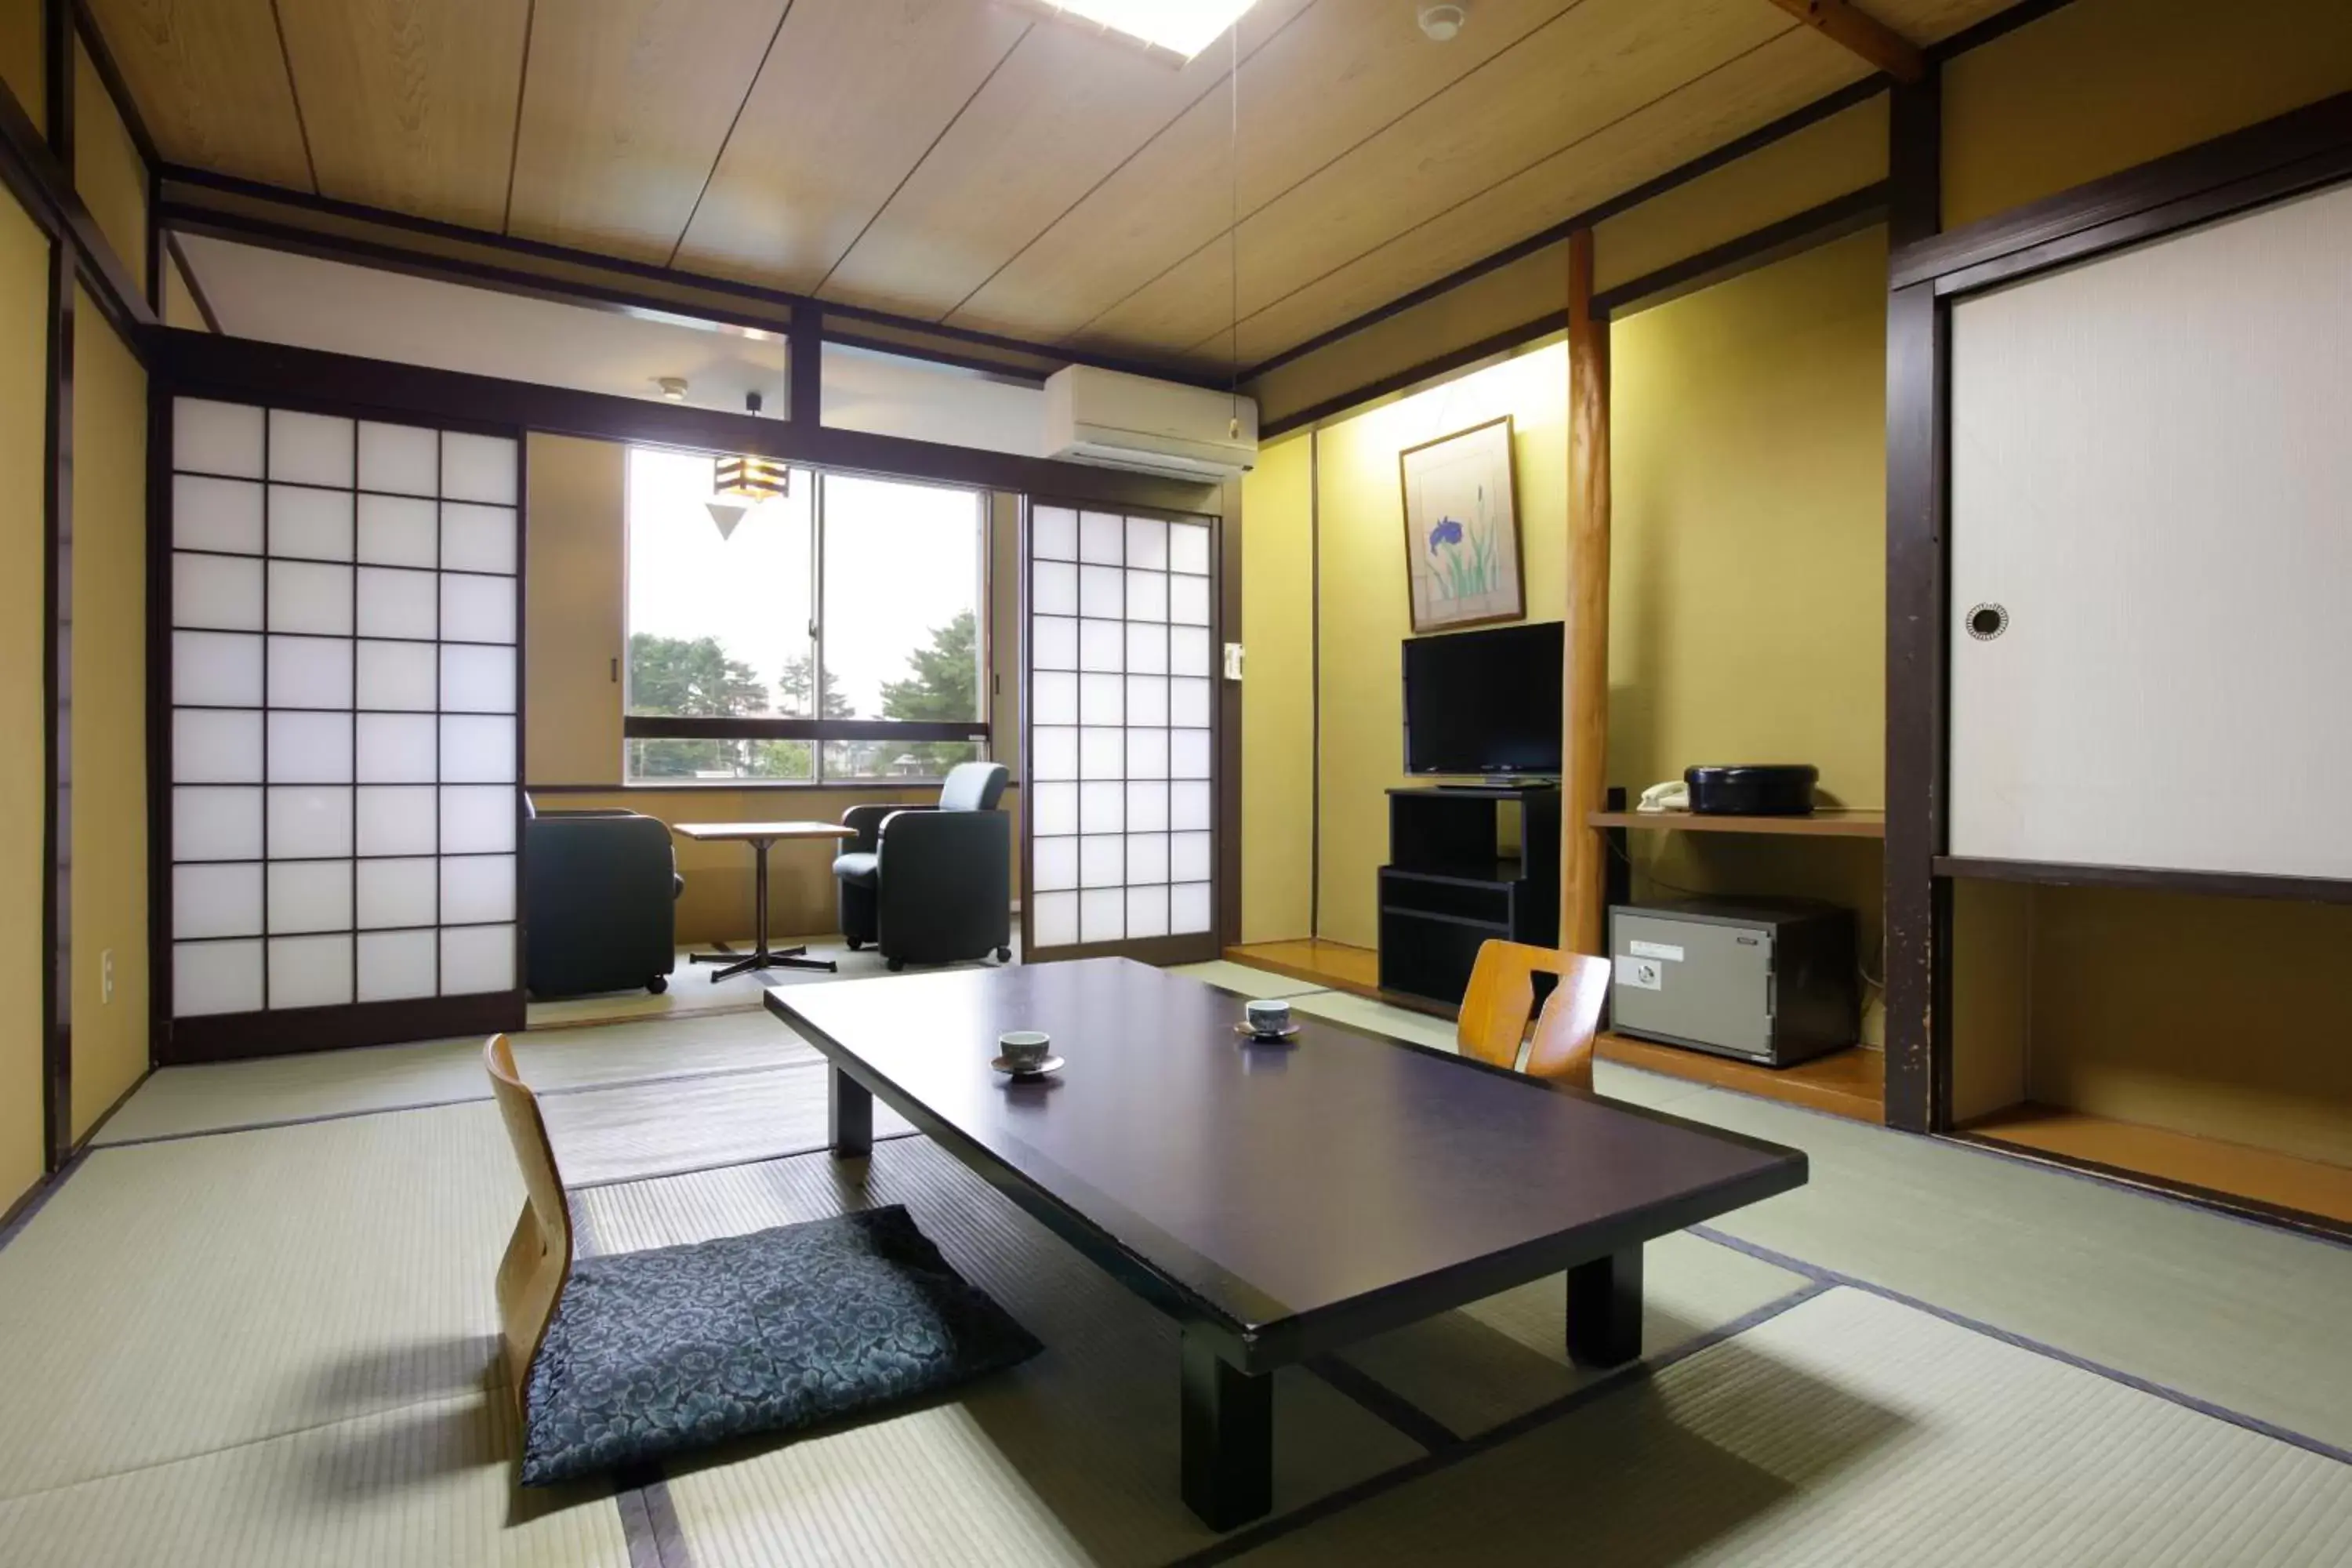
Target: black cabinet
x,y
1456,877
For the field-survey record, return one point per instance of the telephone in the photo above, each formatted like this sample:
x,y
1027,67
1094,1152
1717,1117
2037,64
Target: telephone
x,y
1672,796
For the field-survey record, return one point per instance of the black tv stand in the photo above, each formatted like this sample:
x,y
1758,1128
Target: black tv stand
x,y
1451,884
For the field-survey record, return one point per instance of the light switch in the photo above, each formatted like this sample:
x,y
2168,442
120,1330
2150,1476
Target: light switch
x,y
1233,661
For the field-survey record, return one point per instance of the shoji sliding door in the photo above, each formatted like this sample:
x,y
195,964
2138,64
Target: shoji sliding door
x,y
1121,807
344,847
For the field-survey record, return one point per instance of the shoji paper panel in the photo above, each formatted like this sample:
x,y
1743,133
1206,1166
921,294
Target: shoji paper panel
x,y
344,684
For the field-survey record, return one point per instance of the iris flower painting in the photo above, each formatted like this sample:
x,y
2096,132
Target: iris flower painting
x,y
1461,529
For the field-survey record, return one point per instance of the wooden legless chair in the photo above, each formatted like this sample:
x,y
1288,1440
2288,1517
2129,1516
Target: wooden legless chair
x,y
1494,1017
538,1263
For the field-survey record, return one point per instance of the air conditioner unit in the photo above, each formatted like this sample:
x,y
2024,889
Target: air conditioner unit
x,y
1112,420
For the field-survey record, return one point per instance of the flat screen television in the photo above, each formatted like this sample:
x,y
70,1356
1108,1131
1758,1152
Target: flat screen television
x,y
1485,703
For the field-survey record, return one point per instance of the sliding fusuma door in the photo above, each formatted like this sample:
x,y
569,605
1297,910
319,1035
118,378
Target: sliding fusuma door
x,y
1121,808
344,611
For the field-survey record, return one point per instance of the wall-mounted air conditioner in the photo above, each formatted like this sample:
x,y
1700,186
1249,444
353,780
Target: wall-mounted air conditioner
x,y
1116,421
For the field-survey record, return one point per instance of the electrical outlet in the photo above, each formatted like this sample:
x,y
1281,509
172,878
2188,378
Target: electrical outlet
x,y
106,975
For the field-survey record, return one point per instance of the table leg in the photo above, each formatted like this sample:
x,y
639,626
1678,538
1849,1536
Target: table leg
x,y
1227,1439
761,956
1604,1310
849,1114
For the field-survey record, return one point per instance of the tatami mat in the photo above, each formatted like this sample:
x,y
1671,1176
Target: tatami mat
x,y
640,1131
1501,1358
693,991
1245,979
178,1298
176,1101
428,1485
2244,1316
1852,1430
1070,1457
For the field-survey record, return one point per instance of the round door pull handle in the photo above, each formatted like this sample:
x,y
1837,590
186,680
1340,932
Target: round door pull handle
x,y
1987,622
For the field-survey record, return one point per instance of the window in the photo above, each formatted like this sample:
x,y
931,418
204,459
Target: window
x,y
829,634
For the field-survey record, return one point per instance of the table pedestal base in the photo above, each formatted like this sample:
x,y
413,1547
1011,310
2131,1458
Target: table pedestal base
x,y
778,958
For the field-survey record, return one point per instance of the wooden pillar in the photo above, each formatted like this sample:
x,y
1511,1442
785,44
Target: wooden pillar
x,y
1584,733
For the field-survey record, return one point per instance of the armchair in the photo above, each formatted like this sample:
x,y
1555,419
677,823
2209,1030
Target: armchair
x,y
931,884
599,896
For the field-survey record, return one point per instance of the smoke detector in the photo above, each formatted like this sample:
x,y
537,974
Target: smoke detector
x,y
673,387
1440,23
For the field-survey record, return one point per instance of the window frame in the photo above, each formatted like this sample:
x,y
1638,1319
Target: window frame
x,y
979,730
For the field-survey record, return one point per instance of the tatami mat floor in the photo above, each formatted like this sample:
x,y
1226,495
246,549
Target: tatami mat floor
x,y
254,1326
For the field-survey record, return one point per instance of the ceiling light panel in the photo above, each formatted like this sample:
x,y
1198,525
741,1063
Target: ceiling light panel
x,y
1181,26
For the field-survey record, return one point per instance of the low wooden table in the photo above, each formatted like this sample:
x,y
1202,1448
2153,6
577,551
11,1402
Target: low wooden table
x,y
1279,1201
758,835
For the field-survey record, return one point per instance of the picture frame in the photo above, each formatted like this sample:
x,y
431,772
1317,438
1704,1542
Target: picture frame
x,y
1463,564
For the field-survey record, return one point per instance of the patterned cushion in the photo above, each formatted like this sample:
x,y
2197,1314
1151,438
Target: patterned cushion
x,y
654,1353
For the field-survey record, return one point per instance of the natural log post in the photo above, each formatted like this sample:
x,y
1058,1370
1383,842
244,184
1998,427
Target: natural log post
x,y
1584,732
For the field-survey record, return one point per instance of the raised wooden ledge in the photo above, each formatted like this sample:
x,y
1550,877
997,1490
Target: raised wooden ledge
x,y
1851,1083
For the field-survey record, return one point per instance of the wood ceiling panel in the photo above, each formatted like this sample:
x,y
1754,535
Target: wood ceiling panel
x,y
1584,72
851,97
1065,110
210,84
1932,21
1786,74
625,106
1334,77
410,104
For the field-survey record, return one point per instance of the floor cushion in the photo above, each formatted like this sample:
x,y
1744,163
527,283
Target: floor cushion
x,y
653,1353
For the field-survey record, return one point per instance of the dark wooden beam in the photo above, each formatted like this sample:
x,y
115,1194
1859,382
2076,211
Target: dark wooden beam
x,y
324,226
239,368
1919,908
37,166
804,368
56,669
1861,34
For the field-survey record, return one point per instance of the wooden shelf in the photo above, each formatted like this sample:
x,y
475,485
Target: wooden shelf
x,y
1850,1083
2261,1180
1837,823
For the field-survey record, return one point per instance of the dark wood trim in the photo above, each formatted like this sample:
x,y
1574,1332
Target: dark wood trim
x,y
110,76
238,368
997,370
37,165
159,718
1918,1065
745,786
748,727
1799,232
804,368
2301,1220
188,276
57,671
779,304
1023,861
1405,380
232,1037
293,239
1763,136
2217,884
2296,151
1999,24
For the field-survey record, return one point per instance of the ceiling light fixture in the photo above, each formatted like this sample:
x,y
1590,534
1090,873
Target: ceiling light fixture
x,y
1182,26
673,387
1440,23
753,480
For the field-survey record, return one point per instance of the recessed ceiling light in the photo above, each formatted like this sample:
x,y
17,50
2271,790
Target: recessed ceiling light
x,y
1441,22
1182,26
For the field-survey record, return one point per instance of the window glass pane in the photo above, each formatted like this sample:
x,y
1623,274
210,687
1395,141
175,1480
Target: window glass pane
x,y
779,761
718,606
901,599
896,759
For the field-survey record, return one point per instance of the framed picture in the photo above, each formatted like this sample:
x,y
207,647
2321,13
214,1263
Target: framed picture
x,y
1461,529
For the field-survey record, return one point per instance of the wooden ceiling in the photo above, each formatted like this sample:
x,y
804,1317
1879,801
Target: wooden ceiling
x,y
974,162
